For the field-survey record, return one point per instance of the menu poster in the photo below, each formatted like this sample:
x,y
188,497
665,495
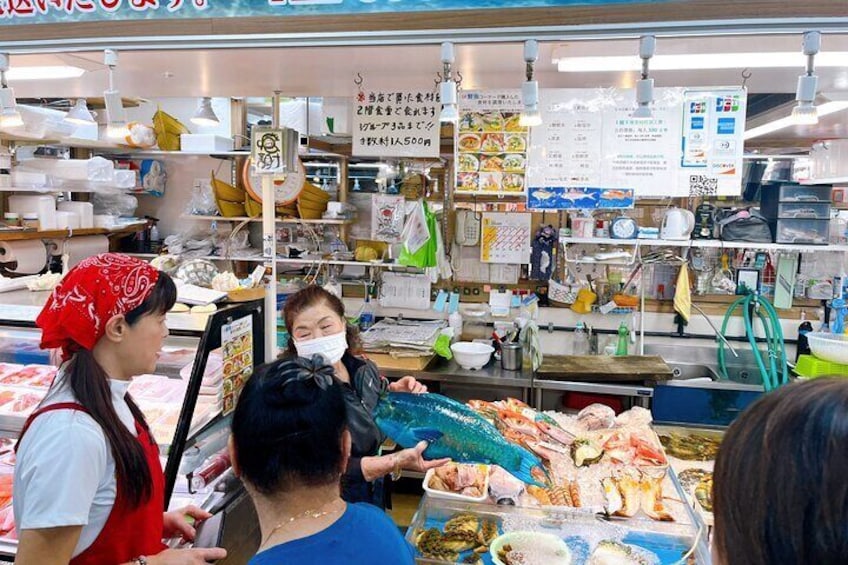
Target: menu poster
x,y
713,124
237,344
492,146
506,238
396,124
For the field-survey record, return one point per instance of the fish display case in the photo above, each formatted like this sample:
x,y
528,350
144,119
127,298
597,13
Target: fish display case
x,y
182,403
451,531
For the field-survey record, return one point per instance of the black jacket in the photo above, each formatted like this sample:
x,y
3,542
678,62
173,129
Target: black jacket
x,y
361,397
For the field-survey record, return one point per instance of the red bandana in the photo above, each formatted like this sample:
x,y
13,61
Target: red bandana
x,y
91,294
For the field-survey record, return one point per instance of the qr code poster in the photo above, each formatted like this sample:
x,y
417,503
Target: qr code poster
x,y
702,185
506,238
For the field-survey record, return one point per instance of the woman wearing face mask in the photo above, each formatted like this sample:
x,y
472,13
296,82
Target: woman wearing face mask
x,y
316,325
88,487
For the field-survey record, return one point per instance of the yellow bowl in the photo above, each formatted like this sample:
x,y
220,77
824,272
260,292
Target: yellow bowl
x,y
251,206
312,192
231,209
226,191
309,213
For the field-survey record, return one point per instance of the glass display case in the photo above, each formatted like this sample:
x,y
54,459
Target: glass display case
x,y
683,541
183,403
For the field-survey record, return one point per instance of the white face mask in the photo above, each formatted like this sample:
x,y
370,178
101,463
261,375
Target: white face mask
x,y
331,347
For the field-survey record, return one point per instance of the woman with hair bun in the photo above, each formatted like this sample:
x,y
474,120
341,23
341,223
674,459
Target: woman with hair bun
x,y
316,325
290,445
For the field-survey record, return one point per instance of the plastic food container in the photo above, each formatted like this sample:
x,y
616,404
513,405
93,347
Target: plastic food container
x,y
542,546
830,347
814,232
472,355
455,495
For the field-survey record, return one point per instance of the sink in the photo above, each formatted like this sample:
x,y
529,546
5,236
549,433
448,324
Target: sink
x,y
697,361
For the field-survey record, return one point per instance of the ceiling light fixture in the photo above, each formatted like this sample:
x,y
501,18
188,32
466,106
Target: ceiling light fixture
x,y
822,110
645,85
447,89
79,114
116,115
49,72
9,115
697,62
205,115
804,113
530,116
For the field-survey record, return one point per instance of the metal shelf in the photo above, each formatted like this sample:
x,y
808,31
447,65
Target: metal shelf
x,y
702,243
834,180
278,220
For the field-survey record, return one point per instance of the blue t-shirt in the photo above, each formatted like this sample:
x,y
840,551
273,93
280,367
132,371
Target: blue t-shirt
x,y
364,535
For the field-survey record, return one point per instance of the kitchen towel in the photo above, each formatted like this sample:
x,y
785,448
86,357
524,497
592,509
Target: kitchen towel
x,y
683,293
26,257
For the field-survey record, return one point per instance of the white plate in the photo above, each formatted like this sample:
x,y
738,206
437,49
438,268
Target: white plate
x,y
541,549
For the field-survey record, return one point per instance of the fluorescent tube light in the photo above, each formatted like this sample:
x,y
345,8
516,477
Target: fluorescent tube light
x,y
823,110
49,72
698,61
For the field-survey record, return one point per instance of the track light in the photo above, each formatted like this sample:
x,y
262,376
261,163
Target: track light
x,y
9,115
805,113
79,115
205,115
645,85
530,116
447,89
116,115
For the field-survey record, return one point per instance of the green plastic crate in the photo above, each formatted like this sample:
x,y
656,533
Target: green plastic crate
x,y
811,367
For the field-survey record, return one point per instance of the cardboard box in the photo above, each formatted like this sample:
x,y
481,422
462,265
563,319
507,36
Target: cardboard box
x,y
385,361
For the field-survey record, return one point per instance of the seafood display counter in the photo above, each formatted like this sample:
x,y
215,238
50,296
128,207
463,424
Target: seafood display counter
x,y
182,403
601,489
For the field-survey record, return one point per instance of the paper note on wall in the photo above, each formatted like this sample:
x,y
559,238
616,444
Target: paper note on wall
x,y
506,238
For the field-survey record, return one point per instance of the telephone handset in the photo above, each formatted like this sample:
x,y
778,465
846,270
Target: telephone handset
x,y
467,228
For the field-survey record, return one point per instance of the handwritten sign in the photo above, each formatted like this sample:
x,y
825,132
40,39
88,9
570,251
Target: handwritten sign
x,y
396,124
506,238
267,151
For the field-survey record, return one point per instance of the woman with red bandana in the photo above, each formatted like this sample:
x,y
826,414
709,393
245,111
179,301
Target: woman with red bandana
x,y
89,487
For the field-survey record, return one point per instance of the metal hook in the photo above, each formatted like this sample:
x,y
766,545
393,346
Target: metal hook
x,y
358,81
746,74
437,81
477,215
458,80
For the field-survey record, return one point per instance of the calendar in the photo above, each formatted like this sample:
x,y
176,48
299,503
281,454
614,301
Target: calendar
x,y
505,238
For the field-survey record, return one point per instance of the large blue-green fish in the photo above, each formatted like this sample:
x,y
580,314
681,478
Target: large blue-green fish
x,y
452,430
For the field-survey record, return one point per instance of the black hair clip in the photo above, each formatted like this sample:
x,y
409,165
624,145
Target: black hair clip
x,y
315,369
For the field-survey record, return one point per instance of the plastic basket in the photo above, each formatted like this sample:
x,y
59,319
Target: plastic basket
x,y
812,367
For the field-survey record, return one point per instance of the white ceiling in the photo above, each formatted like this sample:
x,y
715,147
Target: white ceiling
x,y
330,71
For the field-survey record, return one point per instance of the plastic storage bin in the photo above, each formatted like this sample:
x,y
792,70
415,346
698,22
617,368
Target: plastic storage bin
x,y
814,232
804,210
804,193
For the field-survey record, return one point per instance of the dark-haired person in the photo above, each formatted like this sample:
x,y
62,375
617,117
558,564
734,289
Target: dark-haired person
x,y
780,492
290,446
89,488
316,325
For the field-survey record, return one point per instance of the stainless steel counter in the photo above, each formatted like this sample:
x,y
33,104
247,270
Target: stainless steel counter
x,y
442,370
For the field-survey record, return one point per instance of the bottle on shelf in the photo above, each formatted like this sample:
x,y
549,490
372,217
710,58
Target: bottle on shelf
x,y
580,342
623,339
366,317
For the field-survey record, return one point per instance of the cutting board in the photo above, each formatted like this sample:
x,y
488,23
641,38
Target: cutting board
x,y
604,368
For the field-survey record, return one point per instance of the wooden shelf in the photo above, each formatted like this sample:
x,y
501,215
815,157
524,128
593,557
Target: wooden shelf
x,y
62,234
278,220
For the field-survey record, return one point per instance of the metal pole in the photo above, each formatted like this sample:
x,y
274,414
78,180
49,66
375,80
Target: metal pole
x,y
269,247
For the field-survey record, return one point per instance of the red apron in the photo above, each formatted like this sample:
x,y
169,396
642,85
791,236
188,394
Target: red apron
x,y
128,532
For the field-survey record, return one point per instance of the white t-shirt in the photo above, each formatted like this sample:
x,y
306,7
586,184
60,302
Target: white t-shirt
x,y
65,471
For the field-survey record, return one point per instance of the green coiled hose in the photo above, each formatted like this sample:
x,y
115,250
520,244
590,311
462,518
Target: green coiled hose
x,y
777,372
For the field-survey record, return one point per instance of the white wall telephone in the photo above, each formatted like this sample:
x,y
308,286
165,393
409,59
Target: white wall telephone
x,y
467,228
